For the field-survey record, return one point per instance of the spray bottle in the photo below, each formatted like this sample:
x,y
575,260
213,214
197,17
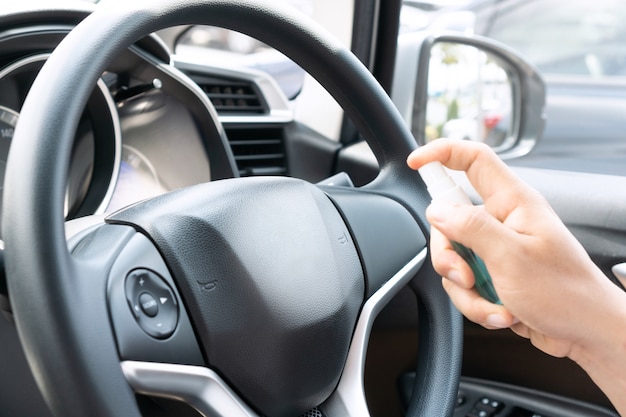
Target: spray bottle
x,y
442,188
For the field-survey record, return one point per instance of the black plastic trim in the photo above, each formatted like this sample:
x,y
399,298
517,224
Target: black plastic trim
x,y
385,233
133,343
513,399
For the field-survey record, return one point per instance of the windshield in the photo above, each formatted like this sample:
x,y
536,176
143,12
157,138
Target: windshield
x,y
233,49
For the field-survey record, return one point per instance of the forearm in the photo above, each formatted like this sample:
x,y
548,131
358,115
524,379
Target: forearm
x,y
603,356
610,376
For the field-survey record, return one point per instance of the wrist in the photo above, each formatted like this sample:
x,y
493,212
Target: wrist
x,y
601,351
602,333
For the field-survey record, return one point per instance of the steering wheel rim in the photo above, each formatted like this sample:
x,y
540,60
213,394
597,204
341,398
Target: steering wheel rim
x,y
55,330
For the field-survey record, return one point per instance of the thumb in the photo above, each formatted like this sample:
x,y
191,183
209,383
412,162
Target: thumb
x,y
471,226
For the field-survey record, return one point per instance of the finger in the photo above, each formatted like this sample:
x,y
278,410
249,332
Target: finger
x,y
477,309
448,263
521,329
485,170
471,226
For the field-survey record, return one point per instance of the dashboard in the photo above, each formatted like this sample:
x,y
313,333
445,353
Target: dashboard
x,y
154,122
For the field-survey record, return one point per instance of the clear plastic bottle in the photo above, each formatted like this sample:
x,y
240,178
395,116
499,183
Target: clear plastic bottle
x,y
443,188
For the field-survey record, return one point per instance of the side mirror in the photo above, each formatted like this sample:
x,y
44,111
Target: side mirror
x,y
471,88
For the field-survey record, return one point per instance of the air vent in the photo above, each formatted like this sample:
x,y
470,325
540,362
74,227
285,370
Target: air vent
x,y
232,97
258,151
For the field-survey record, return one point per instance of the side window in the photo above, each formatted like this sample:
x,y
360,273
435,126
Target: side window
x,y
577,37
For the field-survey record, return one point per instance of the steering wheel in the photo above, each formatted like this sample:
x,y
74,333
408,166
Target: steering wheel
x,y
240,297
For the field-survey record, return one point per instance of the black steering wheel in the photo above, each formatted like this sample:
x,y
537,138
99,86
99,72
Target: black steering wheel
x,y
241,296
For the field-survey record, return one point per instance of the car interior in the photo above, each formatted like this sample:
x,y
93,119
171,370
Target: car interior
x,y
188,234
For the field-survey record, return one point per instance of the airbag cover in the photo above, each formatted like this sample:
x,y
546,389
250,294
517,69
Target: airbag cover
x,y
271,279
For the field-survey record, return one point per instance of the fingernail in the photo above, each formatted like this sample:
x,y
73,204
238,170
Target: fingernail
x,y
438,211
496,320
456,277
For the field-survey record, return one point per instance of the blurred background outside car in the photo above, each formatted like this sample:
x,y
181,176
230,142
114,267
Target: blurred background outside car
x,y
578,46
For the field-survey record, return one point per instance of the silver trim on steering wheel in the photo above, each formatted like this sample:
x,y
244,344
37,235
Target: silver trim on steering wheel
x,y
199,387
349,398
204,390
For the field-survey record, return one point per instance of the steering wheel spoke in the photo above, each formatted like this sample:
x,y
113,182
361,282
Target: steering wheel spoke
x,y
349,398
197,386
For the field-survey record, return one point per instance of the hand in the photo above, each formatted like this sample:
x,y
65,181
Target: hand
x,y
549,287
